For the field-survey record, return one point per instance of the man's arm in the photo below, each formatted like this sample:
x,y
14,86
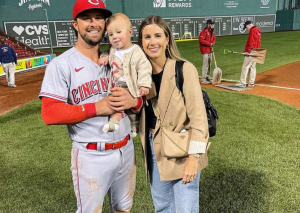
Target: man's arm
x,y
14,54
121,99
58,112
0,55
202,40
213,38
252,39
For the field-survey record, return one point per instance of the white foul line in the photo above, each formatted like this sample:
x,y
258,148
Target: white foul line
x,y
278,87
263,85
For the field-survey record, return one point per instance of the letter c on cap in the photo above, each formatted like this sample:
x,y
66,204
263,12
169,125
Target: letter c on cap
x,y
94,3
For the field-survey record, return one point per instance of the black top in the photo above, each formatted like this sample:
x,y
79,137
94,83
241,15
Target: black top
x,y
150,116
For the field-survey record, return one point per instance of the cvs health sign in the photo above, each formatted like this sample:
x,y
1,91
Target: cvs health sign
x,y
34,34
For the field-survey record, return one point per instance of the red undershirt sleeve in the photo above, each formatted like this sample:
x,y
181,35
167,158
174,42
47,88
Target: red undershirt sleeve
x,y
139,105
58,112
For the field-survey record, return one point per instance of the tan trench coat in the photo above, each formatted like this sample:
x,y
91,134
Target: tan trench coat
x,y
176,115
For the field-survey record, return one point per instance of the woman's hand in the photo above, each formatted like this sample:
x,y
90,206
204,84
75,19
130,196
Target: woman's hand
x,y
190,169
121,99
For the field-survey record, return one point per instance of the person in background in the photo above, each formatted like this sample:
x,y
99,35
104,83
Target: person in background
x,y
8,59
207,40
74,92
174,181
254,41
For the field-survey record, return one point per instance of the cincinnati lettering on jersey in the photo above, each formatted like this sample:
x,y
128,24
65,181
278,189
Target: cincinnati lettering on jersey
x,y
89,89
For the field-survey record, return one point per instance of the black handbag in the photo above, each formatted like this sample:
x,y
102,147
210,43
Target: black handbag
x,y
211,111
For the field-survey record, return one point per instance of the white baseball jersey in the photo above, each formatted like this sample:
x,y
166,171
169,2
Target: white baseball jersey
x,y
75,79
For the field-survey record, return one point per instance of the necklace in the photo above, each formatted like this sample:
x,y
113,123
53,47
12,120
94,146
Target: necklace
x,y
155,71
164,65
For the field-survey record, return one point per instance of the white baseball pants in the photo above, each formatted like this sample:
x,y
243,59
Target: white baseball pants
x,y
97,172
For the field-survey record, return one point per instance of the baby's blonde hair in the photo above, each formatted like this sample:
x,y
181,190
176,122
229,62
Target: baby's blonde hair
x,y
119,17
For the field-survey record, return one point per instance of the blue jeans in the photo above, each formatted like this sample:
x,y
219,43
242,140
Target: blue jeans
x,y
171,196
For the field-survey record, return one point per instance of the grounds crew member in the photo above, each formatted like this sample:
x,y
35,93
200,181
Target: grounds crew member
x,y
8,60
207,40
254,40
74,92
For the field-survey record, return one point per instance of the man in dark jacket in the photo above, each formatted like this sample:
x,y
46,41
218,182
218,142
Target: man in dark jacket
x,y
8,60
207,40
254,40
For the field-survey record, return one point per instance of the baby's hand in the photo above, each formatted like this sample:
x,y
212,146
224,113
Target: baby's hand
x,y
144,91
103,60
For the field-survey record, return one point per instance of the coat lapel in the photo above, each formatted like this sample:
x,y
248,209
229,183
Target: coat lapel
x,y
166,88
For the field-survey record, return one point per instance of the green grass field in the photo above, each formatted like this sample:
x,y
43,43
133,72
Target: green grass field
x,y
253,159
282,48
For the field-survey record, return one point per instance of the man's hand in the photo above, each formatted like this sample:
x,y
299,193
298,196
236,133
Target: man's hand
x,y
103,107
247,54
121,99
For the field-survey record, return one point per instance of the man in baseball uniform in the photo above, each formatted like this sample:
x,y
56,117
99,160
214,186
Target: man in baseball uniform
x,y
254,41
74,92
207,40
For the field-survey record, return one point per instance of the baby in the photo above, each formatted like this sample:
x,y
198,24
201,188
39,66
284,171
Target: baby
x,y
130,69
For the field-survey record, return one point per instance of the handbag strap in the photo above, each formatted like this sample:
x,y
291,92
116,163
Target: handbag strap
x,y
179,83
179,75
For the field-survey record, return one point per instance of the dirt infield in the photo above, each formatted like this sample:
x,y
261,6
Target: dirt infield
x,y
27,90
282,83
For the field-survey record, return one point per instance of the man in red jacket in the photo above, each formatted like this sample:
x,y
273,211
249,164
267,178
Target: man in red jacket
x,y
207,40
254,40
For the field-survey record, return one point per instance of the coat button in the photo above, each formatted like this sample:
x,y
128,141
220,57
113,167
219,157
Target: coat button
x,y
171,123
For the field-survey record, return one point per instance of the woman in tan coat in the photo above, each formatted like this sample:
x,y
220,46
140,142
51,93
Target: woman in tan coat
x,y
173,127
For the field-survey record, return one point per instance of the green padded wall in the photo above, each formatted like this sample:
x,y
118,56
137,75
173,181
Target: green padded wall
x,y
26,19
32,10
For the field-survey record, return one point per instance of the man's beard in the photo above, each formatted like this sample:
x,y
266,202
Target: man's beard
x,y
90,41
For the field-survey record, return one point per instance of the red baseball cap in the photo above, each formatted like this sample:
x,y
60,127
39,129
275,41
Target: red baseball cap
x,y
83,5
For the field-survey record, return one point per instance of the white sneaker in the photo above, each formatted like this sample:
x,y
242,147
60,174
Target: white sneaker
x,y
250,85
205,82
240,85
106,128
12,85
134,134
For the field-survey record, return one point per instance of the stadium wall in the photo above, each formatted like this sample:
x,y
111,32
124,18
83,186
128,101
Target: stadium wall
x,y
26,19
287,20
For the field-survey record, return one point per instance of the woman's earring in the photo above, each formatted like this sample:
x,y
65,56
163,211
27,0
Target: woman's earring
x,y
167,48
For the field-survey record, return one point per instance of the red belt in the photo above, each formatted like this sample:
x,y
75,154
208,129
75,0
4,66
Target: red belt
x,y
109,146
